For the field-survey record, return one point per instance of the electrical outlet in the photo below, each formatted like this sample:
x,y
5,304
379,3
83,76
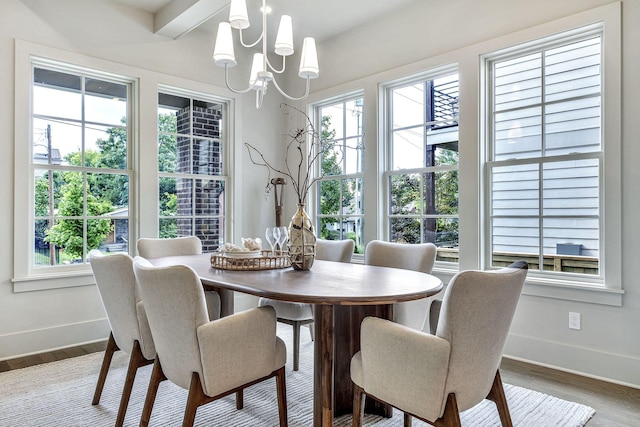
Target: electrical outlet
x,y
574,320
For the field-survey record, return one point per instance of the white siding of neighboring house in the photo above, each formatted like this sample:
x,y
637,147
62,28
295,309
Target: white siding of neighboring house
x,y
561,87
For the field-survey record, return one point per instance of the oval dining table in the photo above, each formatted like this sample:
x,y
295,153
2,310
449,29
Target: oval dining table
x,y
342,294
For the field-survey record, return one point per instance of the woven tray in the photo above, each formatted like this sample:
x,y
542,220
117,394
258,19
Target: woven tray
x,y
264,262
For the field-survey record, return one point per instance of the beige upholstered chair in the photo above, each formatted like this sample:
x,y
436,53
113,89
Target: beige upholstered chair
x,y
298,314
435,377
211,359
129,327
155,248
420,257
334,250
150,248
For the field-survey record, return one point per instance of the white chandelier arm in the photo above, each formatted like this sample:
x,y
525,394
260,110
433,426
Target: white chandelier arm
x,y
306,94
272,68
259,98
252,44
262,70
226,81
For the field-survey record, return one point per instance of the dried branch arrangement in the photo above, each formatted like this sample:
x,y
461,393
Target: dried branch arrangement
x,y
303,149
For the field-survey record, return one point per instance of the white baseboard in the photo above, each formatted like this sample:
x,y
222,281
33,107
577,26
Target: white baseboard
x,y
615,368
36,341
26,343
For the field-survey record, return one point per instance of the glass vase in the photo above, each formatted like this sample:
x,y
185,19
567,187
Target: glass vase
x,y
302,240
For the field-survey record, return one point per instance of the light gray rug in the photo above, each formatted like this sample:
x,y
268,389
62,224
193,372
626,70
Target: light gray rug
x,y
59,394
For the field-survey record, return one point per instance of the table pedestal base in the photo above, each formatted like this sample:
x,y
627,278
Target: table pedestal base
x,y
337,339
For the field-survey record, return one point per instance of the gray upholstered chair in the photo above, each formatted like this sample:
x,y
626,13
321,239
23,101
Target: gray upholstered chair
x,y
150,248
435,377
211,359
129,327
298,314
419,257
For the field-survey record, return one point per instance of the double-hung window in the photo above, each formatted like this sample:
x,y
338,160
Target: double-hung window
x,y
546,155
192,181
422,162
80,164
339,208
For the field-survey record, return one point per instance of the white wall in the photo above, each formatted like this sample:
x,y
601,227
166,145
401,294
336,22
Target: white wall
x,y
433,34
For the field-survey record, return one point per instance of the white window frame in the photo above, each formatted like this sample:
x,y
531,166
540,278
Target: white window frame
x,y
85,73
386,93
317,120
224,141
27,57
607,291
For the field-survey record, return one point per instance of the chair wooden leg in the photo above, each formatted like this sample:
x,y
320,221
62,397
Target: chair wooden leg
x,y
239,399
296,345
311,327
194,400
358,405
407,420
112,347
451,416
157,376
496,394
136,360
281,387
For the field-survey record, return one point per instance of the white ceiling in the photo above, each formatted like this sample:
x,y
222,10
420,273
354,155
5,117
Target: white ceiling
x,y
321,19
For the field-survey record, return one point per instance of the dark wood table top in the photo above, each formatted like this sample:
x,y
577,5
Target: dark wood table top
x,y
326,283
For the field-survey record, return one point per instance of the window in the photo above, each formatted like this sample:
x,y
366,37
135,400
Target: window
x,y
80,164
340,188
545,157
192,184
422,166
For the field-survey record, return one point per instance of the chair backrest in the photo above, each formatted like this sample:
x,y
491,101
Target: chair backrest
x,y
334,250
118,291
156,248
419,257
475,317
175,305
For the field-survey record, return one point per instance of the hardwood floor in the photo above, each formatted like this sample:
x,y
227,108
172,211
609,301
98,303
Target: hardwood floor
x,y
615,405
51,356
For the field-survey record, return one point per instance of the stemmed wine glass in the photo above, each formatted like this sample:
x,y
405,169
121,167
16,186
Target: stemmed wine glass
x,y
276,237
283,236
271,239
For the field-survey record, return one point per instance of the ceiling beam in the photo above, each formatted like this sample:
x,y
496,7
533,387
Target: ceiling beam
x,y
181,16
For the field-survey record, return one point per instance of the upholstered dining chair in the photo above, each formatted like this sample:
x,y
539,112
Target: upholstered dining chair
x,y
298,314
129,327
211,359
418,257
150,248
435,377
155,248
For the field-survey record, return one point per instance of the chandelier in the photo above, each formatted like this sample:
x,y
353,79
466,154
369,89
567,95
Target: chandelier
x,y
262,70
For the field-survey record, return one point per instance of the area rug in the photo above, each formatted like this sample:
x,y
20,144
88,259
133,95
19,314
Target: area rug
x,y
58,394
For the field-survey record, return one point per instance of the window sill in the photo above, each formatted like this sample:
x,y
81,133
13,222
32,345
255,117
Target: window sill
x,y
563,290
572,291
41,283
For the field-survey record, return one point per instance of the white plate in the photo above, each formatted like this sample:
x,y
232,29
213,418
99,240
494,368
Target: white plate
x,y
243,254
